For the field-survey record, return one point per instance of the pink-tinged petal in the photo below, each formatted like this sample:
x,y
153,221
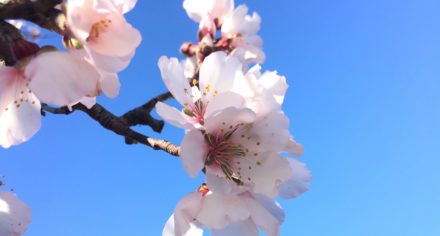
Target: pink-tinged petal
x,y
293,148
219,211
207,26
197,9
242,228
223,101
61,78
89,102
264,172
228,119
81,15
15,215
20,122
109,84
248,49
195,229
263,218
100,25
193,152
218,74
111,64
241,23
174,78
299,181
268,133
119,40
272,206
189,66
173,116
222,186
275,84
182,222
127,5
9,80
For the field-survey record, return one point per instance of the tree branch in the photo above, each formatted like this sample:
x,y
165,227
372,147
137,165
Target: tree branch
x,y
142,114
41,12
118,125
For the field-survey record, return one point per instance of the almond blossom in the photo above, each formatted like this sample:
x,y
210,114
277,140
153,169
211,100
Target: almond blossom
x,y
240,128
216,80
221,84
239,30
240,147
15,215
54,77
242,29
107,38
228,210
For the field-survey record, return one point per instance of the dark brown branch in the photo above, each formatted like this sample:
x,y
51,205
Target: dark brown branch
x,y
41,12
118,125
142,115
8,34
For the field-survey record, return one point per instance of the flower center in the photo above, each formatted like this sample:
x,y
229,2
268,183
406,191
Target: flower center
x,y
222,152
98,28
196,111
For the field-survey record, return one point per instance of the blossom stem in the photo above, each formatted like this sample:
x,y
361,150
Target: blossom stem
x,y
122,125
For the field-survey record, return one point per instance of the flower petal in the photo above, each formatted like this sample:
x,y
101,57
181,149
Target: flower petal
x,y
241,23
61,78
293,148
219,211
224,100
263,218
127,5
228,118
264,172
242,228
195,229
182,221
20,122
120,40
193,152
215,9
109,84
174,116
272,206
89,102
173,76
299,181
15,215
218,73
275,84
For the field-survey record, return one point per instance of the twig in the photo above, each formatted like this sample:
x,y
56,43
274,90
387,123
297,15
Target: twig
x,y
41,12
142,114
116,124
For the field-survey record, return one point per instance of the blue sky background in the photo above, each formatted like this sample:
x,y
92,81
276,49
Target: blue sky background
x,y
364,100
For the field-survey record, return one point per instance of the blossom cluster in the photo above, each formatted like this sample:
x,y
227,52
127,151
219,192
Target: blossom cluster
x,y
99,44
235,130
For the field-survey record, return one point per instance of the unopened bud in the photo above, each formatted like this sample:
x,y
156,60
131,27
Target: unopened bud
x,y
188,49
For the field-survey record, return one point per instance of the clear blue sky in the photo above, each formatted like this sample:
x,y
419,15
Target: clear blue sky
x,y
364,100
